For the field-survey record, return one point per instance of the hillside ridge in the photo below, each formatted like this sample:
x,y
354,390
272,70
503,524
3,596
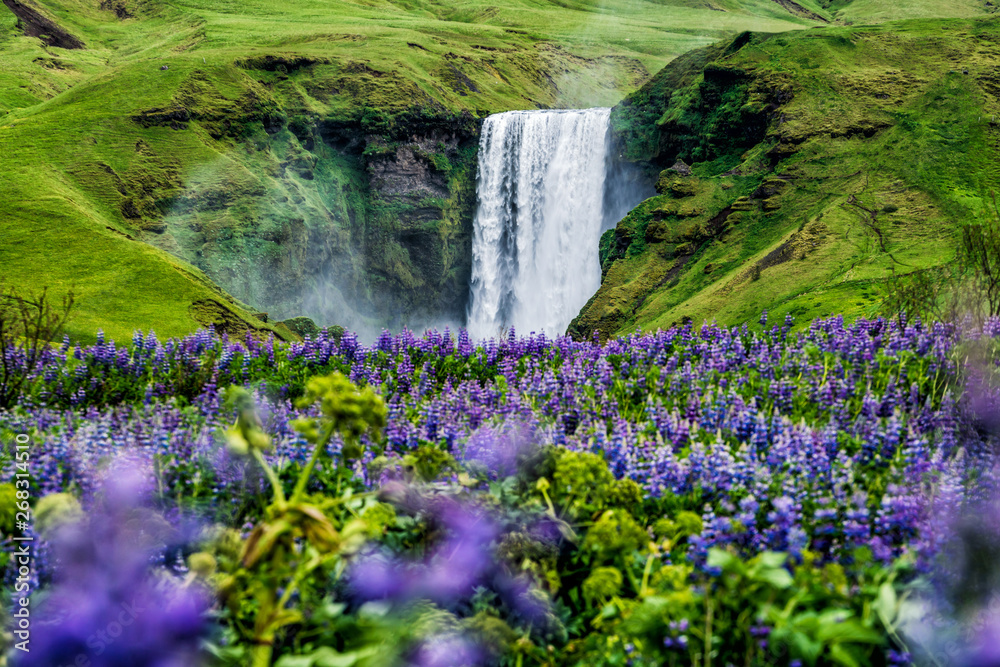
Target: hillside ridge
x,y
801,171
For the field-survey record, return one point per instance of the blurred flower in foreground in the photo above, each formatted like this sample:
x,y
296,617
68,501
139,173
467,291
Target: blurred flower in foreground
x,y
985,648
462,560
447,651
501,449
975,596
957,622
107,607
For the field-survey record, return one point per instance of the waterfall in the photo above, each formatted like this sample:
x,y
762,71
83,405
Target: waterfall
x,y
542,206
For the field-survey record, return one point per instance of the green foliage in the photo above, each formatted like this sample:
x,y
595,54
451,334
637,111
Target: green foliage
x,y
684,524
581,482
8,508
492,633
636,119
348,410
296,537
615,532
246,435
808,612
602,584
980,253
55,510
378,518
427,463
29,323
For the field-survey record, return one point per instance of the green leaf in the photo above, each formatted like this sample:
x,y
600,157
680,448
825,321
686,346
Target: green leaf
x,y
807,649
327,657
848,631
610,610
777,577
725,561
771,559
333,609
236,443
322,657
566,530
842,655
886,605
496,490
807,622
295,661
285,617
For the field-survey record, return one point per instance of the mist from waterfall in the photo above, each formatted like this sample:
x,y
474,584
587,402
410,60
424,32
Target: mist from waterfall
x,y
548,186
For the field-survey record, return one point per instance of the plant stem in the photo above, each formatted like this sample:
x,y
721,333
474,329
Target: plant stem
x,y
645,575
279,493
300,486
293,586
708,630
261,655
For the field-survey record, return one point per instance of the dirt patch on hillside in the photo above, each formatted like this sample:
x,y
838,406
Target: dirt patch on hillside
x,y
36,24
797,9
121,10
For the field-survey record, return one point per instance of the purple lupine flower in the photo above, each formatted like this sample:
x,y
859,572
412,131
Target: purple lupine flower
x,y
109,607
898,658
699,426
450,570
500,448
447,651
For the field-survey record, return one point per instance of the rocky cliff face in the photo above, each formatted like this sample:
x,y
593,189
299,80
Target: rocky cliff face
x,y
336,219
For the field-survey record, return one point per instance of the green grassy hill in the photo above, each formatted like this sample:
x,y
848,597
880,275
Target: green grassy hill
x,y
307,157
821,160
239,162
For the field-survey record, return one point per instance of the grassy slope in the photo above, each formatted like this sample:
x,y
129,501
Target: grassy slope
x,y
877,11
74,158
881,116
72,154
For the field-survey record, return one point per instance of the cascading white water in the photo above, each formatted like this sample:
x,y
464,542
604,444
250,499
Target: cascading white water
x,y
538,225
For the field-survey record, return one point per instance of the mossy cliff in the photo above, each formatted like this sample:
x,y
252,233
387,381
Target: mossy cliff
x,y
347,220
798,170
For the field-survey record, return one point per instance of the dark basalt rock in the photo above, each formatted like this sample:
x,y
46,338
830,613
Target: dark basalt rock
x,y
681,168
285,64
407,172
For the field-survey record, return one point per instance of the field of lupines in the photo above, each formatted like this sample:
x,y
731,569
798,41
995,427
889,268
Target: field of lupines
x,y
712,496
